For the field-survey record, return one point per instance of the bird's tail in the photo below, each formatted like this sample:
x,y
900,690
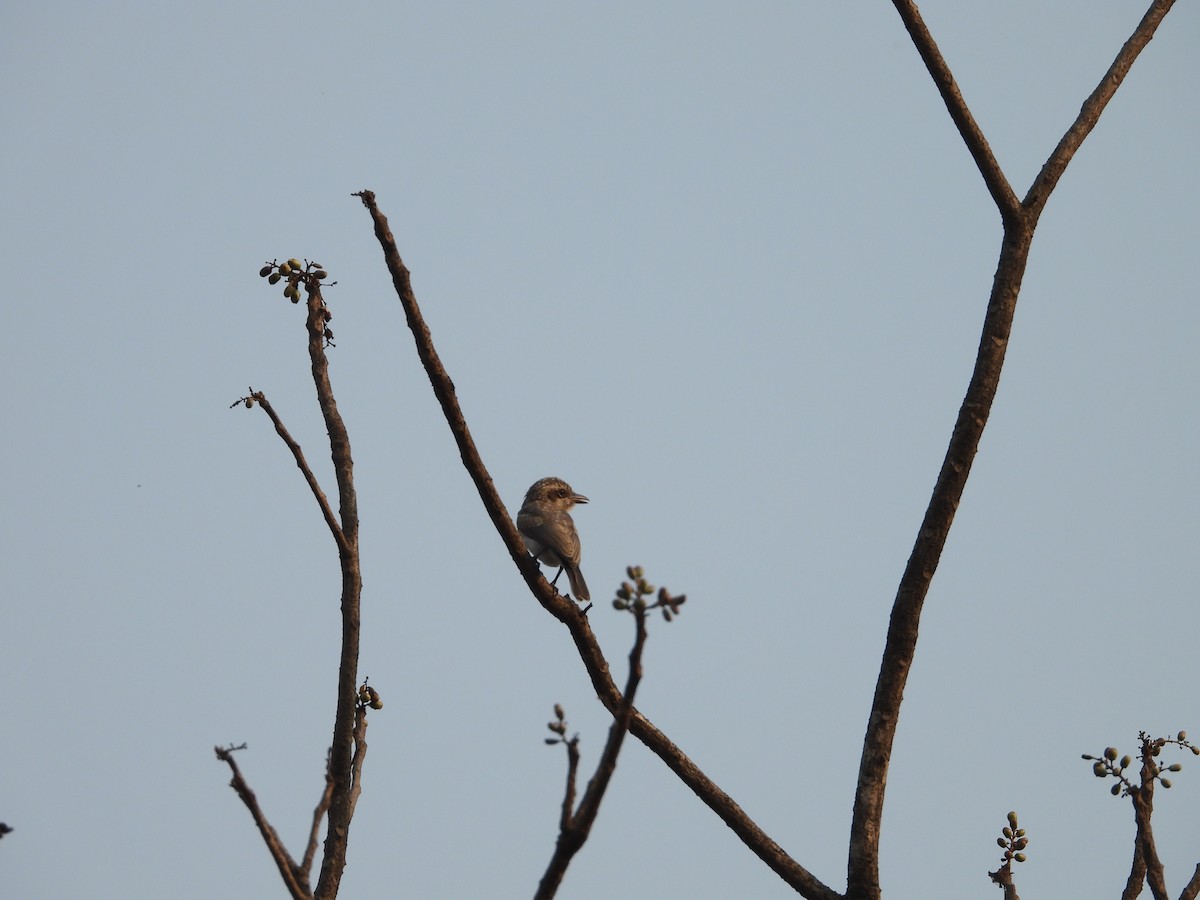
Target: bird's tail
x,y
579,588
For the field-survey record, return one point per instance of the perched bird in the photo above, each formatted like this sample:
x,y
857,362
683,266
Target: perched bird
x,y
549,532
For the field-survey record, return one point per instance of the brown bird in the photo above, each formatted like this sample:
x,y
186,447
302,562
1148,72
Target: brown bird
x,y
546,525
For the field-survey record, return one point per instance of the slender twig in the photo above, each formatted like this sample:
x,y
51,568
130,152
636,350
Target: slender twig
x,y
993,176
297,886
564,610
261,399
1089,113
1019,225
314,833
575,827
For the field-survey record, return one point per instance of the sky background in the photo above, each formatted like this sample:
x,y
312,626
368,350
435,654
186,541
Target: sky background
x,y
721,267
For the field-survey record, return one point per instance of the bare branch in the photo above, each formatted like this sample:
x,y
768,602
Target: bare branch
x,y
1192,889
900,647
310,851
575,828
341,762
1089,113
564,610
261,399
288,870
993,176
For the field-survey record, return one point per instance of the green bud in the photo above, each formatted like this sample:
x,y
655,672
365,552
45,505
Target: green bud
x,y
1012,819
321,273
1196,751
620,604
1006,831
296,264
1099,769
1116,790
376,703
285,269
1020,832
1000,842
552,741
274,279
1166,782
1125,761
1020,857
265,271
1175,767
1182,736
1156,749
1110,753
558,710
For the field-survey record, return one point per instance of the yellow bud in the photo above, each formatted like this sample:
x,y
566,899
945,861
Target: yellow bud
x,y
296,264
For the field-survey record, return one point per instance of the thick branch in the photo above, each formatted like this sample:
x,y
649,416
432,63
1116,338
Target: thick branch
x,y
1192,889
993,176
564,610
1143,809
863,861
296,885
341,805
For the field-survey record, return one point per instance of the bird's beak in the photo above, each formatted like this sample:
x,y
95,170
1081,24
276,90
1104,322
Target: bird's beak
x,y
579,498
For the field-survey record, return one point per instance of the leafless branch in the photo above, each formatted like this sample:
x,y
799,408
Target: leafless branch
x,y
1019,225
1089,113
576,826
564,610
261,399
297,886
1192,889
322,807
997,184
344,764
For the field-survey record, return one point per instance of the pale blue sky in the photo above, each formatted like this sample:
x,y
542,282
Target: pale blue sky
x,y
721,268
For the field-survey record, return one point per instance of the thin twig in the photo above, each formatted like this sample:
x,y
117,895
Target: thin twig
x,y
564,610
288,870
322,807
1089,113
575,827
993,176
261,399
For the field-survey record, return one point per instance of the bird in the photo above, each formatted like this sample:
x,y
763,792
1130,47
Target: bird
x,y
549,532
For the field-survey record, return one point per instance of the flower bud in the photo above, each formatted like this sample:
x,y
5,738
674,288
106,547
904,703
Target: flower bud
x,y
1110,753
1116,790
265,271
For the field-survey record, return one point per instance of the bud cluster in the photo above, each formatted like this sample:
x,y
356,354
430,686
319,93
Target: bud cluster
x,y
632,596
368,696
295,274
559,727
1012,841
1108,764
